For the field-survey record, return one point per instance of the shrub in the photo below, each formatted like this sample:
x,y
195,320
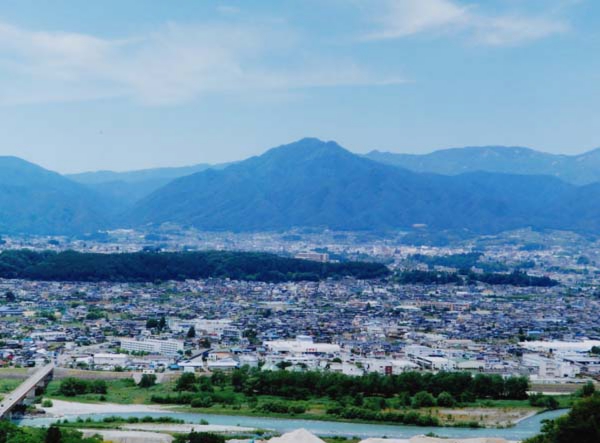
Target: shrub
x,y
187,382
202,402
147,381
423,399
71,387
445,399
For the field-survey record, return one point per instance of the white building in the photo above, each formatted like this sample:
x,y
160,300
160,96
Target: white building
x,y
168,348
550,367
302,345
110,360
213,328
225,364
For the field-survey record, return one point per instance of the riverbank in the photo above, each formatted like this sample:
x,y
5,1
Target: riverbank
x,y
61,408
525,429
468,417
225,401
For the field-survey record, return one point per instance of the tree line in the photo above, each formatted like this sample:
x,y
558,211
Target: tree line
x,y
299,385
152,267
515,278
11,433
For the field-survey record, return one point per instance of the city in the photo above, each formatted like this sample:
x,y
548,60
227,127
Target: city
x,y
299,221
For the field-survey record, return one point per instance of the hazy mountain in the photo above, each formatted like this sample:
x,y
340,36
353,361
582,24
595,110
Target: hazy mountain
x,y
130,186
315,183
309,183
36,201
577,169
141,175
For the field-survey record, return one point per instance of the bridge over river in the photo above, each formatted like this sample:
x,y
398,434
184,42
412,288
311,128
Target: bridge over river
x,y
25,390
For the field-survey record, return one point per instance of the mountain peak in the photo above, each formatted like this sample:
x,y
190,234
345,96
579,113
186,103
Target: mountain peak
x,y
306,149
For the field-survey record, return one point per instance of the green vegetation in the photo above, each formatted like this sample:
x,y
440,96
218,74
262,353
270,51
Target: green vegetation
x,y
8,384
150,267
581,425
200,437
47,403
515,278
409,398
10,433
147,381
544,401
459,261
123,391
71,387
114,422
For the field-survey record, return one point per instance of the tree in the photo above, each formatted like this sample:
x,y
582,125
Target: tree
x,y
191,333
70,387
10,297
283,365
98,387
147,381
516,388
151,323
251,335
53,435
162,323
595,350
187,382
423,399
581,425
7,429
445,399
588,389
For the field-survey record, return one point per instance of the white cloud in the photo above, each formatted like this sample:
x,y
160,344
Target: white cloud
x,y
172,65
407,17
402,18
512,30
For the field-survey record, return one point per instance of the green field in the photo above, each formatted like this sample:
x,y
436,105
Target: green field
x,y
8,385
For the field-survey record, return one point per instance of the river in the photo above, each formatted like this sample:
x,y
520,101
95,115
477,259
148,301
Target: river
x,y
525,429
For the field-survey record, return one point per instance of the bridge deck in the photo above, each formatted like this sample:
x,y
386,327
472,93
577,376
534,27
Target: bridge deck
x,y
15,397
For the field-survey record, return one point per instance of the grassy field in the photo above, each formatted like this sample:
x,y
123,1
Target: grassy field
x,y
119,391
8,384
565,401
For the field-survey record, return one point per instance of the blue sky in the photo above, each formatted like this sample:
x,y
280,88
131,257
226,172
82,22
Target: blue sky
x,y
127,84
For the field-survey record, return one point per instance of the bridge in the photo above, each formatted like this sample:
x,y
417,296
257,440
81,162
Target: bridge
x,y
25,390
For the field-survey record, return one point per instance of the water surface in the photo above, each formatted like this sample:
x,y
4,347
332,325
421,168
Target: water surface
x,y
525,429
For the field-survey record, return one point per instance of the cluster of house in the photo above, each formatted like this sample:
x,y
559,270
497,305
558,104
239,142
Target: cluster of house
x,y
344,325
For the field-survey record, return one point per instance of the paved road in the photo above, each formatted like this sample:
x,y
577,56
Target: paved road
x,y
12,399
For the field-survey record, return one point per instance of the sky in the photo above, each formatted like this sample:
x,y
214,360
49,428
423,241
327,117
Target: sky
x,y
131,84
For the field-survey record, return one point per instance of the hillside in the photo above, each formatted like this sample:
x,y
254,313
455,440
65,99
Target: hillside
x,y
309,183
130,186
579,169
36,201
320,184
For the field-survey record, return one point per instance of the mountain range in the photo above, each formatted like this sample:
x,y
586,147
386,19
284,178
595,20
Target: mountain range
x,y
37,201
581,169
131,186
312,183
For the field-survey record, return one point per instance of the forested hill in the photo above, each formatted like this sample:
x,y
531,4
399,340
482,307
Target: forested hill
x,y
150,267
